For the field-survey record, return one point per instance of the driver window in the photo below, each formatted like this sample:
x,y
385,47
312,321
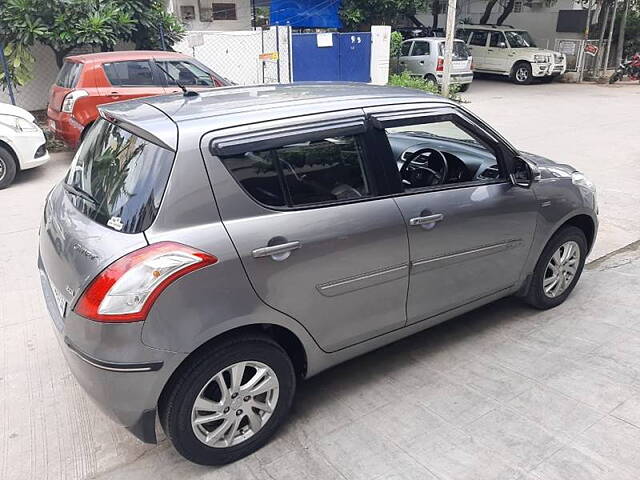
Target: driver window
x,y
441,153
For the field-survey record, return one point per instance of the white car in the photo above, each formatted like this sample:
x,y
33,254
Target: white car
x,y
425,57
510,51
22,143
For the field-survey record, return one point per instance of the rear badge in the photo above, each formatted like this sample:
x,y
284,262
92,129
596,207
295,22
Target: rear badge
x,y
115,223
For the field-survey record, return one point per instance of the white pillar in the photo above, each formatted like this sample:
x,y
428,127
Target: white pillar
x,y
380,51
448,47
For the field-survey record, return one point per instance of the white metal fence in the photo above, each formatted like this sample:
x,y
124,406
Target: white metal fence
x,y
574,50
243,56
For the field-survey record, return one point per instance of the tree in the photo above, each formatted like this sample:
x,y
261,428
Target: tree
x,y
508,8
487,11
64,25
361,14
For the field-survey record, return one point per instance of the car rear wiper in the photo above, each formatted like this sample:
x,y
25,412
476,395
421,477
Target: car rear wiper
x,y
78,192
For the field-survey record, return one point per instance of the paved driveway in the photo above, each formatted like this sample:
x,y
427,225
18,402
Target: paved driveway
x,y
503,392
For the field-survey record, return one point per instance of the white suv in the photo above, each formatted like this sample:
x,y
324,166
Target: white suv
x,y
510,51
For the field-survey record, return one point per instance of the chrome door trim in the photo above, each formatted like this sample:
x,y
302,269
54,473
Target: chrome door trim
x,y
358,282
417,221
463,256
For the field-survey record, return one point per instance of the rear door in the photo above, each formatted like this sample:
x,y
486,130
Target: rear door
x,y
99,212
478,48
317,239
419,60
131,79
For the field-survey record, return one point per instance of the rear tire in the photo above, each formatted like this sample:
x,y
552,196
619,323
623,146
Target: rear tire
x,y
543,273
8,168
198,381
615,77
464,87
431,79
522,74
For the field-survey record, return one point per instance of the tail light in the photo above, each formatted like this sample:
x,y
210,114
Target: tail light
x,y
440,65
126,290
71,98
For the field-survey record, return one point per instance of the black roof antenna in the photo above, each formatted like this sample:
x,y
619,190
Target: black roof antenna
x,y
185,92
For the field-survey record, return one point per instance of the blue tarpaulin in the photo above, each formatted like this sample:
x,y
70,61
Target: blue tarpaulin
x,y
306,13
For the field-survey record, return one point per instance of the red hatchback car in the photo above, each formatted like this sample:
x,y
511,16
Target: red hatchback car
x,y
86,81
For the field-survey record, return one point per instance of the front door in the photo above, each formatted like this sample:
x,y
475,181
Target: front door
x,y
469,228
316,239
498,54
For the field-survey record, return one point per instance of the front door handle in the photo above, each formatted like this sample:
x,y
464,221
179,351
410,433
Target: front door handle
x,y
417,221
277,252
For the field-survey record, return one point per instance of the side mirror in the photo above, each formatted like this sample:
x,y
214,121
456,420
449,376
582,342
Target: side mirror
x,y
523,174
502,45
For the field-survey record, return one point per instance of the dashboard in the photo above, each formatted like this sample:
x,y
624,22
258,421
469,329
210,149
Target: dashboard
x,y
466,161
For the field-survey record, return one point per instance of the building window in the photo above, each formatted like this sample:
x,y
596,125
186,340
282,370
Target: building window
x,y
224,11
187,13
517,6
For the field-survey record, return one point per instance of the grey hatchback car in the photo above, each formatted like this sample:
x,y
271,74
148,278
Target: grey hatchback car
x,y
205,252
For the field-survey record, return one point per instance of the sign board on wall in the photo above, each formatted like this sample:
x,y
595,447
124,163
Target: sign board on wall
x,y
195,40
324,39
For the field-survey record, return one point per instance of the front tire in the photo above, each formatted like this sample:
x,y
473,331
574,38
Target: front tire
x,y
615,77
464,87
522,73
228,401
8,168
558,269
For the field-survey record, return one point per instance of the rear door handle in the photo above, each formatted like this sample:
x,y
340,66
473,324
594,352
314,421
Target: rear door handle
x,y
421,62
426,220
278,252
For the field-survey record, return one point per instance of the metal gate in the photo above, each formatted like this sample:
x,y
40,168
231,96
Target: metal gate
x,y
332,57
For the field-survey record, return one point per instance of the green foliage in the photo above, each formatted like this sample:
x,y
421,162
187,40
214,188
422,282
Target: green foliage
x,y
396,44
406,80
361,14
632,31
20,62
67,24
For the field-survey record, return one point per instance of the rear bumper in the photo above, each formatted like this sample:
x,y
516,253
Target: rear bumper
x,y
458,78
122,376
64,127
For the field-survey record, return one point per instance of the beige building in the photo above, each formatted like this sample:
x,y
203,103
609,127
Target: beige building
x,y
212,15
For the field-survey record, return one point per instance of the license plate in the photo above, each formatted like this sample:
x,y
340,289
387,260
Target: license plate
x,y
61,303
459,65
52,125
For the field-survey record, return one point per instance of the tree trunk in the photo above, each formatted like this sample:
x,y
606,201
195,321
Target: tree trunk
x,y
602,25
506,12
487,11
622,33
60,54
435,9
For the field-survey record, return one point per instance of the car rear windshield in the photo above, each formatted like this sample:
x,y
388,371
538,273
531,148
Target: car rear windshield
x,y
118,178
460,50
68,74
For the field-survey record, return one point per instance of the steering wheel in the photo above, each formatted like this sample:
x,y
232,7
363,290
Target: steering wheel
x,y
417,168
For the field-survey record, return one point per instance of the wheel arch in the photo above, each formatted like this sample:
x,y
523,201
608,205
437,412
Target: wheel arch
x,y
12,152
515,64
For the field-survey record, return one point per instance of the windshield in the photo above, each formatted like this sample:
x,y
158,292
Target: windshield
x,y
460,51
519,39
118,179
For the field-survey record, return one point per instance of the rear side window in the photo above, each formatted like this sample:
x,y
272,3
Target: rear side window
x,y
479,38
118,179
130,74
460,50
68,74
420,48
314,172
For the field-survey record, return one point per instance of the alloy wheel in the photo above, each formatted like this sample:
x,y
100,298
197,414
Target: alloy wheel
x,y
561,269
235,404
3,169
522,74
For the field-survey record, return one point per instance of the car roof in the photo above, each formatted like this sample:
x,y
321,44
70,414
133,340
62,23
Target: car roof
x,y
506,28
430,39
226,107
123,55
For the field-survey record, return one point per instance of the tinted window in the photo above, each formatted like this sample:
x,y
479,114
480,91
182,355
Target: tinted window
x,y
224,11
123,174
479,38
132,74
496,38
328,170
463,34
405,48
460,50
186,73
68,74
420,48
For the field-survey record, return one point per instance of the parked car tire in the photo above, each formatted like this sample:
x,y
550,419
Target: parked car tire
x,y
8,168
615,77
558,269
521,74
431,78
212,424
464,87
